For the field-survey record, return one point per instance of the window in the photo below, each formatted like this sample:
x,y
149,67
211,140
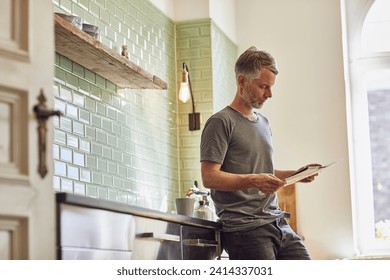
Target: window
x,y
367,24
378,99
376,28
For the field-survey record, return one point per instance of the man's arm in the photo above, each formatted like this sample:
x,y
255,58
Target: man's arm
x,y
214,178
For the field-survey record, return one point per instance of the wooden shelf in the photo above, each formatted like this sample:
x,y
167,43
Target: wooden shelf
x,y
81,48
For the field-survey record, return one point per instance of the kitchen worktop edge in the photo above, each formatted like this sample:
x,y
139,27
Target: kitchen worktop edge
x,y
120,207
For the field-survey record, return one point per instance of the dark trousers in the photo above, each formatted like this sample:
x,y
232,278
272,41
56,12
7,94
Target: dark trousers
x,y
273,241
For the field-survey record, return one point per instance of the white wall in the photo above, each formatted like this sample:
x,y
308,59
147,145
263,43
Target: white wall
x,y
183,10
166,6
308,110
222,12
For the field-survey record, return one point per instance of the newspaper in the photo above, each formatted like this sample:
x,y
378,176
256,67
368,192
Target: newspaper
x,y
305,172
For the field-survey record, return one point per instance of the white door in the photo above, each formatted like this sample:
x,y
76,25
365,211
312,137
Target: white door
x,y
27,206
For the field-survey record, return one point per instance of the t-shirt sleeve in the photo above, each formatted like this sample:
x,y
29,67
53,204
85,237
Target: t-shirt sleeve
x,y
214,141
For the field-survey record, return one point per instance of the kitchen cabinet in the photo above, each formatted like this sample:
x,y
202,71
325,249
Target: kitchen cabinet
x,y
89,228
164,240
83,49
87,233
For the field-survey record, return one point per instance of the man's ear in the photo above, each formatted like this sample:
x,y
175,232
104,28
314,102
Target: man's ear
x,y
241,80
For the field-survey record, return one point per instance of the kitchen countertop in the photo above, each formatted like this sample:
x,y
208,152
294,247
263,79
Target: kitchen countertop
x,y
114,206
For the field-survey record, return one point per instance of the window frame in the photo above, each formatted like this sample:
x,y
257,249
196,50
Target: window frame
x,y
357,64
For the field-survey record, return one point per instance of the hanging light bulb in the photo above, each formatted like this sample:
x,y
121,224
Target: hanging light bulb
x,y
184,91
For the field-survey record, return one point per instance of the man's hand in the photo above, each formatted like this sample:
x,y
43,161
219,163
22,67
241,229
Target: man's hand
x,y
267,183
311,178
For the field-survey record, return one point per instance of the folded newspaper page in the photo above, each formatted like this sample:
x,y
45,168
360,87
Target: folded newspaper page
x,y
305,172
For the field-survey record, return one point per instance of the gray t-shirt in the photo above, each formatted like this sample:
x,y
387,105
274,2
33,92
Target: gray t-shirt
x,y
241,146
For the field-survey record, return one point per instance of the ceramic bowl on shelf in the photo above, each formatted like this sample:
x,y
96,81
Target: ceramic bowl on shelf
x,y
75,20
91,30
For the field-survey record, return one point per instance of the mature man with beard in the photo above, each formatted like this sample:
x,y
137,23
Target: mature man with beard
x,y
237,165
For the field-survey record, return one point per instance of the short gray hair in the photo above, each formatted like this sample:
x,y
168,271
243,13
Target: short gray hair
x,y
252,61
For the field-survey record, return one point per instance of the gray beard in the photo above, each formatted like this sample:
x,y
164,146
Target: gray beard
x,y
252,103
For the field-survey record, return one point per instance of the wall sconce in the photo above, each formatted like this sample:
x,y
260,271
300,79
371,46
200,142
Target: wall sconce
x,y
185,93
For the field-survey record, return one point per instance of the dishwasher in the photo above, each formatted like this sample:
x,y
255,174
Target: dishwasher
x,y
93,234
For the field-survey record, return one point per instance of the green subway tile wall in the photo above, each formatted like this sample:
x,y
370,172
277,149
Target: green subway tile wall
x,y
210,56
112,143
193,47
224,59
128,145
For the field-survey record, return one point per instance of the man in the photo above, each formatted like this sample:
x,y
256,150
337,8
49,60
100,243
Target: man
x,y
237,165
